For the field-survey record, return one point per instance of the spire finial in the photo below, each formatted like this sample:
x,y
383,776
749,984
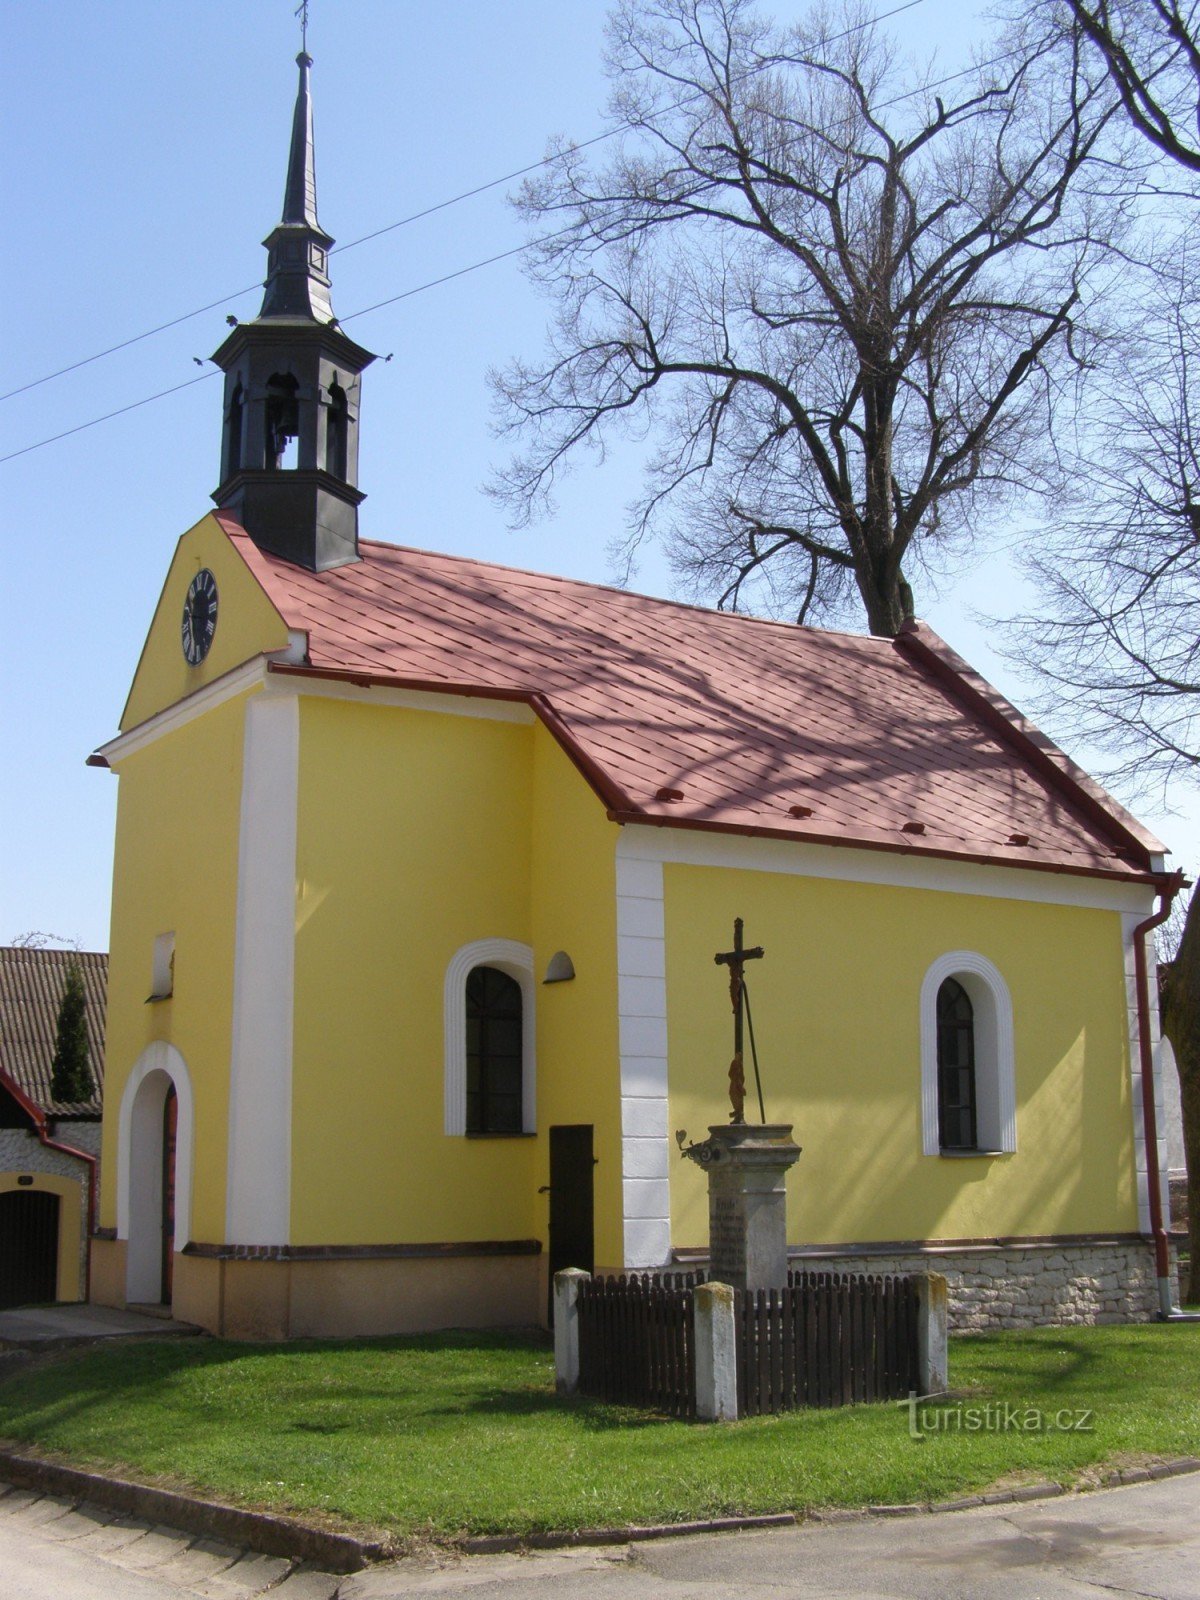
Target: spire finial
x,y
298,249
302,13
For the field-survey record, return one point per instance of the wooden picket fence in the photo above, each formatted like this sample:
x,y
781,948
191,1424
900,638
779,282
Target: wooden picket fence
x,y
635,1341
828,1339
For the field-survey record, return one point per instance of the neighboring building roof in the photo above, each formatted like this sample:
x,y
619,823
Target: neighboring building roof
x,y
31,987
708,719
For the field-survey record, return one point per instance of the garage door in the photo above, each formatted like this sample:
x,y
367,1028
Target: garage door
x,y
28,1247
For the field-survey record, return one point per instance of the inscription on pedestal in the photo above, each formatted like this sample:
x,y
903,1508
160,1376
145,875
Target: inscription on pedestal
x,y
727,1239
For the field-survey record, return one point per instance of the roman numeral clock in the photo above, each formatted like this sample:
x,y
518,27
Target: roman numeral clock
x,y
199,617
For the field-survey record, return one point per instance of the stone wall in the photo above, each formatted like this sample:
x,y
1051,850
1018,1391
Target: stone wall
x,y
1023,1284
24,1152
83,1135
1179,1202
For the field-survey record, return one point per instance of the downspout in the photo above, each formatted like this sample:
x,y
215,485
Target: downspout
x,y
1168,889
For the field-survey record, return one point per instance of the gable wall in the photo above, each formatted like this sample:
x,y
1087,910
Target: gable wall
x,y
247,624
837,1021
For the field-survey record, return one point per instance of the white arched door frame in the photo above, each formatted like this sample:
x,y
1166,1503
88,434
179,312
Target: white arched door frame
x,y
139,1164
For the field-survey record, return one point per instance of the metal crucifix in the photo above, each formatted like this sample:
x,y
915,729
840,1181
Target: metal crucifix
x,y
735,960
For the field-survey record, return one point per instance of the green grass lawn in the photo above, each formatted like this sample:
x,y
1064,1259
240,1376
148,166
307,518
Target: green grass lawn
x,y
456,1433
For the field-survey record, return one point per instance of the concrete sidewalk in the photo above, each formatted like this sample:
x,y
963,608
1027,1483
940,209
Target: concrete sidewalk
x,y
1142,1541
44,1327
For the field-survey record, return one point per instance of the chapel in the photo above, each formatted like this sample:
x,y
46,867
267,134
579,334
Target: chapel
x,y
420,869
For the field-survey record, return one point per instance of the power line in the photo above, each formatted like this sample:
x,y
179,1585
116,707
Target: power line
x,y
407,294
404,222
107,417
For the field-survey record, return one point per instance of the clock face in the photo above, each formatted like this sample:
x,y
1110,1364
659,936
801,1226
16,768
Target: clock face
x,y
199,617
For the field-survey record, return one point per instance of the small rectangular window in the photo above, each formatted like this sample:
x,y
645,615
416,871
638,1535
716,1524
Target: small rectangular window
x,y
162,977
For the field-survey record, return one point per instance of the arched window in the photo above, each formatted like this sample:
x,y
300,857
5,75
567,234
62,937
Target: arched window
x,y
968,1067
490,997
282,418
494,1029
337,432
956,1067
233,454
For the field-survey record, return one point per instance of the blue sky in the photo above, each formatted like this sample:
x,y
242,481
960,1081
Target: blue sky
x,y
146,148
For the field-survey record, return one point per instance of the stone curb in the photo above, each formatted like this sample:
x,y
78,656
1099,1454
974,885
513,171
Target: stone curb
x,y
277,1535
264,1531
506,1543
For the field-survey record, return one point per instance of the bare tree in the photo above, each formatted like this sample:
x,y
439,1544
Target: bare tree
x,y
1120,640
1151,52
1118,634
843,305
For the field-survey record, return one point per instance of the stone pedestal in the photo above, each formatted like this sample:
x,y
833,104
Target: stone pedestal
x,y
747,1165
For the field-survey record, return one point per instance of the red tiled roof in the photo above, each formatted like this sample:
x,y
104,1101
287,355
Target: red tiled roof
x,y
697,718
31,988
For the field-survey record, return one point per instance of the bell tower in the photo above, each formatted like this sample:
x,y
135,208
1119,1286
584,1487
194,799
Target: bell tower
x,y
289,445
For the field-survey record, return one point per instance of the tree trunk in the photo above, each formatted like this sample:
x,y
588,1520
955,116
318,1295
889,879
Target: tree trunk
x,y
1181,1024
887,599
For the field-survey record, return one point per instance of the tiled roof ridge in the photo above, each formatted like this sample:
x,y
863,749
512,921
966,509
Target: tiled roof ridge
x,y
236,531
41,952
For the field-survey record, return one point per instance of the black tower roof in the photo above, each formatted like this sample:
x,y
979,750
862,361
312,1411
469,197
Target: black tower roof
x,y
298,248
289,456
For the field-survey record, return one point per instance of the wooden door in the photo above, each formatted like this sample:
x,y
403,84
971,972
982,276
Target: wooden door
x,y
29,1221
170,1121
572,1210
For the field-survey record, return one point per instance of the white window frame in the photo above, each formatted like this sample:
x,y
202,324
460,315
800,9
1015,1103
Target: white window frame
x,y
995,1063
517,961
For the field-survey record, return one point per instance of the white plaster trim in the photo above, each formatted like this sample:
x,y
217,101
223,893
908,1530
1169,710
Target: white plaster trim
x,y
517,960
995,1067
693,847
481,707
642,1009
1141,1165
139,1164
247,676
295,653
252,674
258,1177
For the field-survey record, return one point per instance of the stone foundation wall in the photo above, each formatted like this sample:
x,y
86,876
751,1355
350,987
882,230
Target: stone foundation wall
x,y
1023,1284
1179,1202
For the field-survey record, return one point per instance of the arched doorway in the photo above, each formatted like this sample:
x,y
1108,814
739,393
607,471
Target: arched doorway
x,y
154,1173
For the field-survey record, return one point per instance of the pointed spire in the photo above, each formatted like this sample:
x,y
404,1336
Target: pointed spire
x,y
293,387
300,194
298,248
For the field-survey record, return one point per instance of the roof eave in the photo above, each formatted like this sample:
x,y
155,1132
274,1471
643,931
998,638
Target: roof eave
x,y
1137,844
1152,879
621,809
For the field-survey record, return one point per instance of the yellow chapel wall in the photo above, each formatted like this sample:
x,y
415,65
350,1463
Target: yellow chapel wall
x,y
247,624
574,899
836,1013
175,871
413,840
420,833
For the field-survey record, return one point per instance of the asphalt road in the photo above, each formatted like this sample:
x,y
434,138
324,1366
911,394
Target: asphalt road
x,y
1142,1541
